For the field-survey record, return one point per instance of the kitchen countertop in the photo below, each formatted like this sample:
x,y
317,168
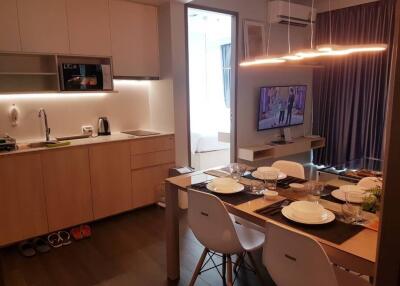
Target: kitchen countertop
x,y
23,145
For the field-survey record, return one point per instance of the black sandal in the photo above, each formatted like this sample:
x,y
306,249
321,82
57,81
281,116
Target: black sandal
x,y
26,249
41,245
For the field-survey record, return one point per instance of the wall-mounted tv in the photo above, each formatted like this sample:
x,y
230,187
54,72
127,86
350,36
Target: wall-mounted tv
x,y
281,106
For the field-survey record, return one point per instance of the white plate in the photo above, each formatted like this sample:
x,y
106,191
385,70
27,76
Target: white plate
x,y
257,175
308,211
288,213
225,186
340,195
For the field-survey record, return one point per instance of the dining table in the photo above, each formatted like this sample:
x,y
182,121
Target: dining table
x,y
357,253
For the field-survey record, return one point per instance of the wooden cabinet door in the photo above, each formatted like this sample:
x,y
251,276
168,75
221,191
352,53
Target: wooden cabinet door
x,y
22,201
148,183
43,26
66,177
110,170
9,29
89,27
134,38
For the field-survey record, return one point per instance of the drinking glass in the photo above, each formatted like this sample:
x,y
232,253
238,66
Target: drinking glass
x,y
270,180
313,189
351,211
236,171
257,187
322,190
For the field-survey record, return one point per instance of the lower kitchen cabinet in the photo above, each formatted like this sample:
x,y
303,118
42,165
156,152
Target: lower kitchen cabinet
x,y
148,184
66,177
110,167
22,210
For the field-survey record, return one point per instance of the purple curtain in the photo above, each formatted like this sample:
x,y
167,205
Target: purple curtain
x,y
350,92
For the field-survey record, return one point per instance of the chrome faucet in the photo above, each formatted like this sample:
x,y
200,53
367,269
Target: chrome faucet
x,y
46,125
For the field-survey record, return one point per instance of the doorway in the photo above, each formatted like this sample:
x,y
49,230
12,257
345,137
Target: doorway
x,y
211,50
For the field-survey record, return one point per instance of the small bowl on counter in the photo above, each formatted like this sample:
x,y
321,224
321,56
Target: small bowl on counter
x,y
270,195
297,187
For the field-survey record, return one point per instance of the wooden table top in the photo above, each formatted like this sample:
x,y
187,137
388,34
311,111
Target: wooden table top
x,y
362,246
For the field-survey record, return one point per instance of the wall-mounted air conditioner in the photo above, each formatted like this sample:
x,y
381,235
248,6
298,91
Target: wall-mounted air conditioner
x,y
300,15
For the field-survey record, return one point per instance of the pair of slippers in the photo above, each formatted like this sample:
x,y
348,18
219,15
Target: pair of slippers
x,y
58,239
29,248
81,232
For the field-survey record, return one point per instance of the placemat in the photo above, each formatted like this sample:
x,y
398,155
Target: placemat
x,y
336,231
233,199
328,189
284,183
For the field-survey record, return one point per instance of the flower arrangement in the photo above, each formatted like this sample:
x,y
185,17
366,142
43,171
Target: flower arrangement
x,y
371,203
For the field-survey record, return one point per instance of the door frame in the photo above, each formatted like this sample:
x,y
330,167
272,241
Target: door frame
x,y
235,39
387,266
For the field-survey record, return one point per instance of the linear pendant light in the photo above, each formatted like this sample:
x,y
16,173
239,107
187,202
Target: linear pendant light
x,y
340,50
325,50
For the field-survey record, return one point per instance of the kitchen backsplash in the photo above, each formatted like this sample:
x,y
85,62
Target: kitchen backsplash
x,y
127,108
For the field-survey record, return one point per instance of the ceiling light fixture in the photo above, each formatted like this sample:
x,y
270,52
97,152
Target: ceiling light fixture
x,y
325,50
262,61
340,50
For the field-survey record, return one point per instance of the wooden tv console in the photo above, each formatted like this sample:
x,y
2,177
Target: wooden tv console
x,y
296,146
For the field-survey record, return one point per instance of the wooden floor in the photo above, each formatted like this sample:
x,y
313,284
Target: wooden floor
x,y
128,249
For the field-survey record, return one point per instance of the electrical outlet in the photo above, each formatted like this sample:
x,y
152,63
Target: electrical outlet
x,y
87,130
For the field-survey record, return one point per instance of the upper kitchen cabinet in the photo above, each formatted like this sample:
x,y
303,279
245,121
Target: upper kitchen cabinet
x,y
43,26
89,27
9,30
134,38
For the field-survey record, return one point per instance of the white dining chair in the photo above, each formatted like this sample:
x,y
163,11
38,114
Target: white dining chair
x,y
370,183
290,168
213,226
293,259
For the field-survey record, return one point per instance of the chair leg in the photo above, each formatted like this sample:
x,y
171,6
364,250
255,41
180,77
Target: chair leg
x,y
238,262
198,267
224,269
229,270
253,263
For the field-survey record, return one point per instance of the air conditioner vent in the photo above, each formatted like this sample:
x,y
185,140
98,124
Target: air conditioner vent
x,y
300,15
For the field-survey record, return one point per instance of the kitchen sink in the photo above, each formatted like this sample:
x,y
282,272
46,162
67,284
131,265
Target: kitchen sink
x,y
37,145
140,133
73,137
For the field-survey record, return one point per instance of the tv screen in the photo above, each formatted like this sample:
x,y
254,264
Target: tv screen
x,y
281,106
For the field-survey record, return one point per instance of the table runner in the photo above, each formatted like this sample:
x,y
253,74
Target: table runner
x,y
284,183
336,231
233,199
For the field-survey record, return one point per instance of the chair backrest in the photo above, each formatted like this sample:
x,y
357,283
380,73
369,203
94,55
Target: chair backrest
x,y
370,183
293,259
211,223
290,168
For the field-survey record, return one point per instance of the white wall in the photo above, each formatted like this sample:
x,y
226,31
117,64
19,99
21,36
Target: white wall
x,y
249,79
127,109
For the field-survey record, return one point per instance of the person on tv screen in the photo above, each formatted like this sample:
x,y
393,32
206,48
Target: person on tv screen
x,y
282,109
290,106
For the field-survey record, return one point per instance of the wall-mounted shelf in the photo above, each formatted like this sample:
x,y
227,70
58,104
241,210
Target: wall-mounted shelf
x,y
38,73
28,73
264,152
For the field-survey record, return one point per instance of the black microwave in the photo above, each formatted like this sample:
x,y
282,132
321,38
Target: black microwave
x,y
85,77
